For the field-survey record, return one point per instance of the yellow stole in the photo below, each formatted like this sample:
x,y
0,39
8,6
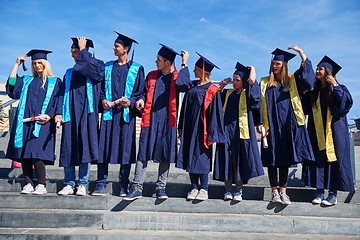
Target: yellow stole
x,y
294,98
243,115
324,142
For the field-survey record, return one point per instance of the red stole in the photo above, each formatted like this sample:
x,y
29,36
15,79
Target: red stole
x,y
150,96
209,95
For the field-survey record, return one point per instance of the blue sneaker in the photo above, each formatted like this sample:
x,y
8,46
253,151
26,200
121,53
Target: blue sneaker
x,y
161,194
100,190
135,194
319,198
330,200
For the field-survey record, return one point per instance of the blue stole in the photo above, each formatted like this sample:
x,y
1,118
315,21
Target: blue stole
x,y
66,103
21,108
129,86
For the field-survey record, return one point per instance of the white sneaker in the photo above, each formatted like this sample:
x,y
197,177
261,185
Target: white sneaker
x,y
228,196
285,199
67,190
80,191
192,194
40,189
27,189
202,195
237,197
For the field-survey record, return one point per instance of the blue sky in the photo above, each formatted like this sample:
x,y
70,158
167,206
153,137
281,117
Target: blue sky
x,y
222,30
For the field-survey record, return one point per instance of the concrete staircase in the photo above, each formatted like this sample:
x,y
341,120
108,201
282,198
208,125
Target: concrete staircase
x,y
109,217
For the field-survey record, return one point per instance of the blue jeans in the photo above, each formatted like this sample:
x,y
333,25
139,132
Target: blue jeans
x,y
103,171
69,172
204,179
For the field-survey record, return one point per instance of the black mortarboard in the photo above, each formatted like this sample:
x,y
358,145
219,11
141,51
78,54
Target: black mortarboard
x,y
330,64
281,55
242,71
167,52
36,54
124,40
208,66
89,43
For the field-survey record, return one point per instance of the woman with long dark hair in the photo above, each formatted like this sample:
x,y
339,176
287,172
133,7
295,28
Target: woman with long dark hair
x,y
327,104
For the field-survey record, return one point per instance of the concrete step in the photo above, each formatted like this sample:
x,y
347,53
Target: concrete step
x,y
167,221
216,191
173,205
175,175
100,234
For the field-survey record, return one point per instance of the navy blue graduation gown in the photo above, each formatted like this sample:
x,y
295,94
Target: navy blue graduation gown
x,y
79,142
239,159
288,142
42,147
117,137
321,174
193,156
158,141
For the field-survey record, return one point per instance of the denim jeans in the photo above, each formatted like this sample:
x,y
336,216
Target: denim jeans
x,y
204,179
69,172
140,174
103,171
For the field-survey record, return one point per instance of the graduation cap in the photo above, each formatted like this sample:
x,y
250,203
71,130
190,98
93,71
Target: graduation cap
x,y
36,54
124,40
242,71
205,64
281,55
167,52
75,44
330,64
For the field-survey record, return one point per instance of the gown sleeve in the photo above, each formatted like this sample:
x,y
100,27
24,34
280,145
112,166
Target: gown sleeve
x,y
89,66
183,81
341,101
253,96
215,120
305,77
14,92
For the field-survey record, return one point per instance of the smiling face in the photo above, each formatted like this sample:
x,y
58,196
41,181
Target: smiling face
x,y
119,49
237,82
320,73
277,66
38,66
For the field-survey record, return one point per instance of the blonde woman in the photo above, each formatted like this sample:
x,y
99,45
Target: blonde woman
x,y
32,139
283,119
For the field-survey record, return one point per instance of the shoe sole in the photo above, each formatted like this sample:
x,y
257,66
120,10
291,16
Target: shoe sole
x,y
228,199
237,200
316,202
329,204
80,194
131,199
97,194
201,199
163,197
39,193
25,192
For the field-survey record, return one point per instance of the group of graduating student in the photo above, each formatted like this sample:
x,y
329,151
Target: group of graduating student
x,y
120,91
